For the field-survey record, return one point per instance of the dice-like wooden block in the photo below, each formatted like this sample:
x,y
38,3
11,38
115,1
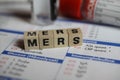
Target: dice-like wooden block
x,y
75,37
60,38
31,40
46,39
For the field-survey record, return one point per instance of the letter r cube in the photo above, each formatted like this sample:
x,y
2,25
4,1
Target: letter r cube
x,y
31,40
60,38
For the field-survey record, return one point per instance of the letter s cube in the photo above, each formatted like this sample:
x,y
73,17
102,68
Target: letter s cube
x,y
75,37
31,40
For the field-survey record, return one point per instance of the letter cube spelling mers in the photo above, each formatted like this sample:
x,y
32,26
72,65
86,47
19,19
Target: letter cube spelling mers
x,y
52,38
31,40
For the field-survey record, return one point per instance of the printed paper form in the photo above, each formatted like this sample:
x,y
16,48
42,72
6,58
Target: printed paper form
x,y
15,55
23,65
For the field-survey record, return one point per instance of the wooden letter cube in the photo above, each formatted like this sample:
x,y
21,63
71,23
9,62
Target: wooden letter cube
x,y
75,37
31,40
60,38
46,39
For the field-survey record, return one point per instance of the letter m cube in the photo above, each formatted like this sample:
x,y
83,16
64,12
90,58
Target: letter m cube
x,y
31,40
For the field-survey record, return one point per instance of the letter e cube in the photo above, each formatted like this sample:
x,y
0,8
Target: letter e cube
x,y
46,39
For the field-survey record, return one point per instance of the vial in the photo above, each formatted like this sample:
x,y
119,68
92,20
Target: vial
x,y
98,11
44,12
102,11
